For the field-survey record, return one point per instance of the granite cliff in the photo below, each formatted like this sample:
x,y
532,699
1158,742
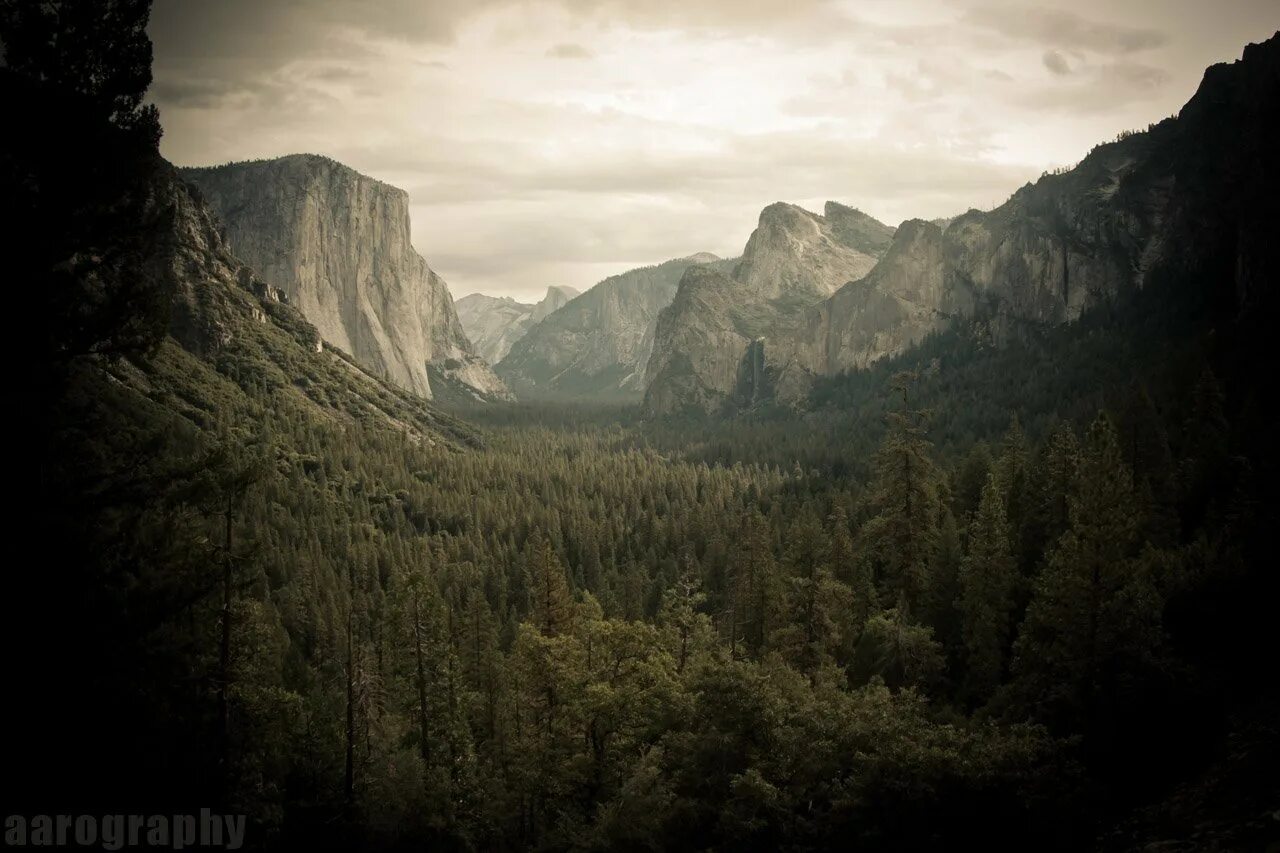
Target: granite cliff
x,y
495,323
1186,203
597,344
337,244
793,260
231,334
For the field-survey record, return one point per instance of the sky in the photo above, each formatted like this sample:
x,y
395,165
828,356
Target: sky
x,y
561,141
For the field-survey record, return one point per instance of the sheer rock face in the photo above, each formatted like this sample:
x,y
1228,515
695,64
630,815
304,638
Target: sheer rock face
x,y
700,342
337,243
793,260
794,255
1189,203
219,305
495,323
598,344
909,294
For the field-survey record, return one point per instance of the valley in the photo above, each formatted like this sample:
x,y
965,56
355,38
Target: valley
x,y
938,534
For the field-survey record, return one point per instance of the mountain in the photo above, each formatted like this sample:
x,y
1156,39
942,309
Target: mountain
x,y
494,323
793,259
337,243
231,335
598,344
1171,206
1136,213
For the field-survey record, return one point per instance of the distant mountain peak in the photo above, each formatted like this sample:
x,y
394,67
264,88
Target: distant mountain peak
x,y
597,344
794,259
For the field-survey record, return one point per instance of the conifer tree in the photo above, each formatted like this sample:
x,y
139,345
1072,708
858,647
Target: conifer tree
x,y
816,603
1093,617
1061,463
756,589
944,613
903,498
987,578
689,628
548,587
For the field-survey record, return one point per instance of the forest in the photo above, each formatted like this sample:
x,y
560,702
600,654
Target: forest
x,y
1006,596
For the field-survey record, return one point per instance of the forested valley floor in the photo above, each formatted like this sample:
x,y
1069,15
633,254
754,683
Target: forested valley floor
x,y
904,623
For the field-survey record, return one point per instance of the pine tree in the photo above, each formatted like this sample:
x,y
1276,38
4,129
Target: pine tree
x,y
987,578
970,480
1094,616
1014,477
548,587
944,612
855,572
815,601
689,629
756,588
904,501
1061,464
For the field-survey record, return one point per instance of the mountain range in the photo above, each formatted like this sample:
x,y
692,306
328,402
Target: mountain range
x,y
807,300
793,259
494,323
813,295
597,345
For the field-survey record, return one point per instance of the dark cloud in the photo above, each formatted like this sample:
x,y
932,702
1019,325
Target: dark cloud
x,y
1063,29
339,74
1101,89
1056,62
193,93
569,51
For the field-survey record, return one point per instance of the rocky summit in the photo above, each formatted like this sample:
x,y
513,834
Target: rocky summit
x,y
598,344
495,323
793,260
337,243
1145,208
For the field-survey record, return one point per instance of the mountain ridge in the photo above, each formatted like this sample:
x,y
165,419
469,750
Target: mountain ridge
x,y
1144,210
338,243
495,323
793,259
597,344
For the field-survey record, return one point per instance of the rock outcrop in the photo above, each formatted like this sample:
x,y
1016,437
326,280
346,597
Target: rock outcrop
x,y
793,260
494,323
227,327
910,293
337,243
598,344
1187,203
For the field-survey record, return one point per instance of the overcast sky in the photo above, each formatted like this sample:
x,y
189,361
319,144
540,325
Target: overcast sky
x,y
559,142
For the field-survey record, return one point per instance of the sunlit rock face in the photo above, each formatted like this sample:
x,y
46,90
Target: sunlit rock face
x,y
337,243
494,323
1184,204
597,345
793,260
1054,249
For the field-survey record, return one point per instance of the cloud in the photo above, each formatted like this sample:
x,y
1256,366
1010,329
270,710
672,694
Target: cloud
x,y
1056,62
1099,89
1062,29
524,172
193,92
569,51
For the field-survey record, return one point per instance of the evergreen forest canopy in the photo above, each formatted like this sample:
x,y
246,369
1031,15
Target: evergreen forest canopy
x,y
1014,597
